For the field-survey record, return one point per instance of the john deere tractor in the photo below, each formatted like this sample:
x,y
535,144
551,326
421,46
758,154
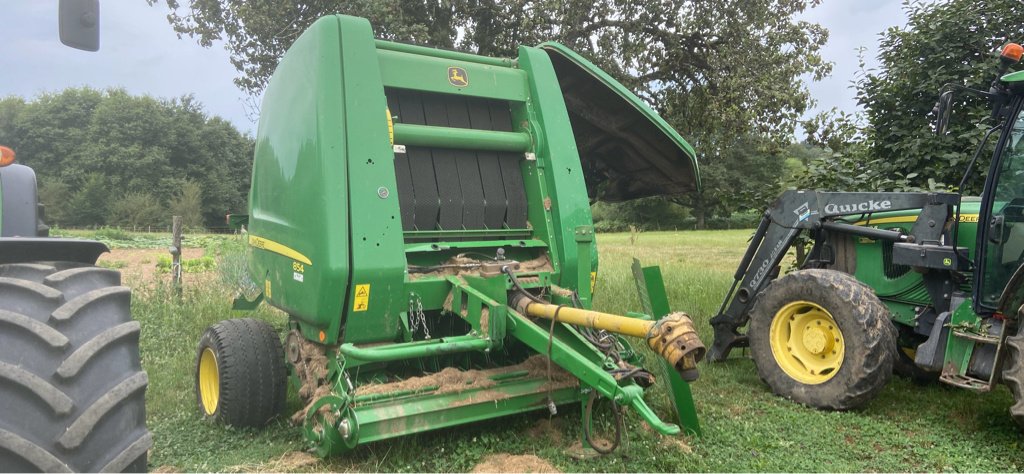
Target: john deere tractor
x,y
72,389
422,216
930,284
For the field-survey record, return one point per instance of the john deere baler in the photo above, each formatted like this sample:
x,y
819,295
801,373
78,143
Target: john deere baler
x,y
423,217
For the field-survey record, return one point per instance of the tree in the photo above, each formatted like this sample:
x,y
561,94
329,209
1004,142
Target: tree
x,y
55,196
137,209
188,203
88,205
954,42
741,175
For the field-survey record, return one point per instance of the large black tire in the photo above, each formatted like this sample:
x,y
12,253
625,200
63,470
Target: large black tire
x,y
1013,375
865,351
72,389
251,380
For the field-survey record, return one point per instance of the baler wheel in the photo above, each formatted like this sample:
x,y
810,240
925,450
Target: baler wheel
x,y
72,389
822,338
241,378
1013,375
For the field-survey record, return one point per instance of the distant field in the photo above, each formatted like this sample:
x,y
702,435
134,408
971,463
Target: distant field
x,y
907,428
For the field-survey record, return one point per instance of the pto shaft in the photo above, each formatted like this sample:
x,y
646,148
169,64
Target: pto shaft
x,y
673,337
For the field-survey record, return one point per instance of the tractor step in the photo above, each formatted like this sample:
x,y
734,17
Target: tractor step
x,y
979,338
966,382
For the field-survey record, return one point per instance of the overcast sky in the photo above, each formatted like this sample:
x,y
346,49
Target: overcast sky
x,y
141,53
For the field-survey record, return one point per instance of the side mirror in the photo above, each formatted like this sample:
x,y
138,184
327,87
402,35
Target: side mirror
x,y
942,110
80,24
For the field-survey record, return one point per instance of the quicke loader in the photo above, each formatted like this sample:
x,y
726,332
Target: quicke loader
x,y
930,284
422,216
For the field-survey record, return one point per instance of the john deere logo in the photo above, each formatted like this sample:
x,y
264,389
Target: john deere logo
x,y
458,77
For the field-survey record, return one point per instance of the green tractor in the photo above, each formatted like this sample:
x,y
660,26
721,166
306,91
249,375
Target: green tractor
x,y
930,285
72,388
422,216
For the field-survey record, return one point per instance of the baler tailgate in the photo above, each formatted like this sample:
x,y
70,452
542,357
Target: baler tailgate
x,y
627,150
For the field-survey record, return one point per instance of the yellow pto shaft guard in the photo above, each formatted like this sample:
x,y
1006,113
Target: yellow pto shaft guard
x,y
673,337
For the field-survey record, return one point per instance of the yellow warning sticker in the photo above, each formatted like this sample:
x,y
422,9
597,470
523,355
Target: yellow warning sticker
x,y
362,300
266,288
391,126
593,281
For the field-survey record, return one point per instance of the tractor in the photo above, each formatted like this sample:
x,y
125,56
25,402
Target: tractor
x,y
928,284
422,217
72,397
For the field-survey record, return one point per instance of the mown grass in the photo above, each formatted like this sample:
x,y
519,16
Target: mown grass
x,y
907,428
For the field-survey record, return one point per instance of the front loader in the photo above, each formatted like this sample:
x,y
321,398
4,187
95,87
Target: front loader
x,y
928,284
422,217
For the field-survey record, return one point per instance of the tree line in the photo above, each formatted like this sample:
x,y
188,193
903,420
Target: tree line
x,y
728,74
111,158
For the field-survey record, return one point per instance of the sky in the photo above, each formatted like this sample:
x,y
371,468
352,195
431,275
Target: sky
x,y
140,52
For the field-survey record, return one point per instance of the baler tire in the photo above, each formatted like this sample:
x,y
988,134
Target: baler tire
x,y
251,376
1013,375
863,325
73,388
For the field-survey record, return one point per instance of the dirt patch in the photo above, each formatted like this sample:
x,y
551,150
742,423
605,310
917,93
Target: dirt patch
x,y
165,469
513,463
139,265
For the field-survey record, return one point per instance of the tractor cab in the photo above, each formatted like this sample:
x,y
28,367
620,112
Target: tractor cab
x,y
1000,244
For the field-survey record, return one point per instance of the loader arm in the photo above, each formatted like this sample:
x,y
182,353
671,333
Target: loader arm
x,y
820,213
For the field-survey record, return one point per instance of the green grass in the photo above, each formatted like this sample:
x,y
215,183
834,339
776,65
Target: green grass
x,y
907,428
122,239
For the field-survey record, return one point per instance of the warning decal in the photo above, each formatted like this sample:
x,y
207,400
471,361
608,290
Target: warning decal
x,y
362,300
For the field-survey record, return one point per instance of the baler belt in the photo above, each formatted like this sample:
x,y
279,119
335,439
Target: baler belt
x,y
447,189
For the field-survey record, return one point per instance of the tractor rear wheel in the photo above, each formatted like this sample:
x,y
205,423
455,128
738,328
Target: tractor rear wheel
x,y
822,338
1013,375
241,378
72,389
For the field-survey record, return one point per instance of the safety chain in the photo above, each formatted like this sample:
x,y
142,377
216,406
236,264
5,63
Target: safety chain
x,y
417,319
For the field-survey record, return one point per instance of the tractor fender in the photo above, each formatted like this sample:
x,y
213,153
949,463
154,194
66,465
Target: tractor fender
x,y
36,249
20,206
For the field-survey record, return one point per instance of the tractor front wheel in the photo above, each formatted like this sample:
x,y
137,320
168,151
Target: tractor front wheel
x,y
241,378
822,338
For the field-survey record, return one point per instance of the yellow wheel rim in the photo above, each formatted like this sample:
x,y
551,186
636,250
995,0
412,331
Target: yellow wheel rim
x,y
209,381
806,342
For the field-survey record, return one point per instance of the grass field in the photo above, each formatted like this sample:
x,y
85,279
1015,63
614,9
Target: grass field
x,y
907,428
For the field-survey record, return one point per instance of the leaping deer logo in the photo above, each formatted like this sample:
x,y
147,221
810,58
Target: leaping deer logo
x,y
458,77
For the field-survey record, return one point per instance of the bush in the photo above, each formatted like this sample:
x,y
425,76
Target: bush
x,y
188,265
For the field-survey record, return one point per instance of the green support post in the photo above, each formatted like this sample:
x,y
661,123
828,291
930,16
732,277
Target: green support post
x,y
651,287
